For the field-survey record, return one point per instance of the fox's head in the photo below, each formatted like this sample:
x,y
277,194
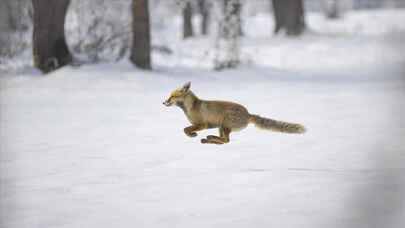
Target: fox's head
x,y
177,96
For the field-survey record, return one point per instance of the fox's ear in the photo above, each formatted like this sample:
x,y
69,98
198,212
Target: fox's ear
x,y
186,86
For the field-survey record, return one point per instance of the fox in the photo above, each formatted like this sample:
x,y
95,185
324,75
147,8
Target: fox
x,y
225,115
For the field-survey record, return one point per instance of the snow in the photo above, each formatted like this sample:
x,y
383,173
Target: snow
x,y
93,146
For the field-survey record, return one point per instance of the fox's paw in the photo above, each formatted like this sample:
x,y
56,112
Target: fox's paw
x,y
210,141
211,137
191,134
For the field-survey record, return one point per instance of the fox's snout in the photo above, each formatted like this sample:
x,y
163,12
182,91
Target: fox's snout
x,y
167,103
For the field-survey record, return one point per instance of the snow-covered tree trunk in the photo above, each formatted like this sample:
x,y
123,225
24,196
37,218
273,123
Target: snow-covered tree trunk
x,y
334,9
141,47
227,40
49,45
289,15
331,8
232,11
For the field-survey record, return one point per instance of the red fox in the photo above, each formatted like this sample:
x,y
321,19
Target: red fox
x,y
227,116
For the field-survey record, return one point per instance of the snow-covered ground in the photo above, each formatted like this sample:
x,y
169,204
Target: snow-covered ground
x,y
94,146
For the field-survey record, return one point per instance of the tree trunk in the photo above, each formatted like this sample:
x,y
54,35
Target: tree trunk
x,y
289,15
140,52
278,19
4,28
227,43
49,45
187,20
204,9
232,11
331,8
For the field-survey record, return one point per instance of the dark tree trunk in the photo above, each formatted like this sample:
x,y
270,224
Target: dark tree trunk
x,y
204,8
140,52
187,21
289,15
278,19
5,27
49,45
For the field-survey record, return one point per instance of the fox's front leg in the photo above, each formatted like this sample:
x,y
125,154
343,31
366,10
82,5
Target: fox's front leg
x,y
191,131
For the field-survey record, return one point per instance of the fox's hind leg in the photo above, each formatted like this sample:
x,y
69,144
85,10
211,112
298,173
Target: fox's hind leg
x,y
191,131
223,137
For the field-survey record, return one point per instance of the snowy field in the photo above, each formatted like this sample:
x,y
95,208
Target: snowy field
x,y
93,146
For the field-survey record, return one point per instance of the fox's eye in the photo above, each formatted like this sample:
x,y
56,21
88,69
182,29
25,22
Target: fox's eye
x,y
176,94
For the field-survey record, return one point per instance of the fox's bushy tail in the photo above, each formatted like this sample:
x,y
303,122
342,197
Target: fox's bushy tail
x,y
275,125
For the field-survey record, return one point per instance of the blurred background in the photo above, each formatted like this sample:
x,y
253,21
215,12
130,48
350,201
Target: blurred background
x,y
100,31
86,142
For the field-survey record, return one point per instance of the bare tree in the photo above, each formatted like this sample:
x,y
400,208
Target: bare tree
x,y
187,20
141,47
49,44
289,15
204,10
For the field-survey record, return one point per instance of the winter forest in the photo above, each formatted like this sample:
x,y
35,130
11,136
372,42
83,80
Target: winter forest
x,y
85,140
